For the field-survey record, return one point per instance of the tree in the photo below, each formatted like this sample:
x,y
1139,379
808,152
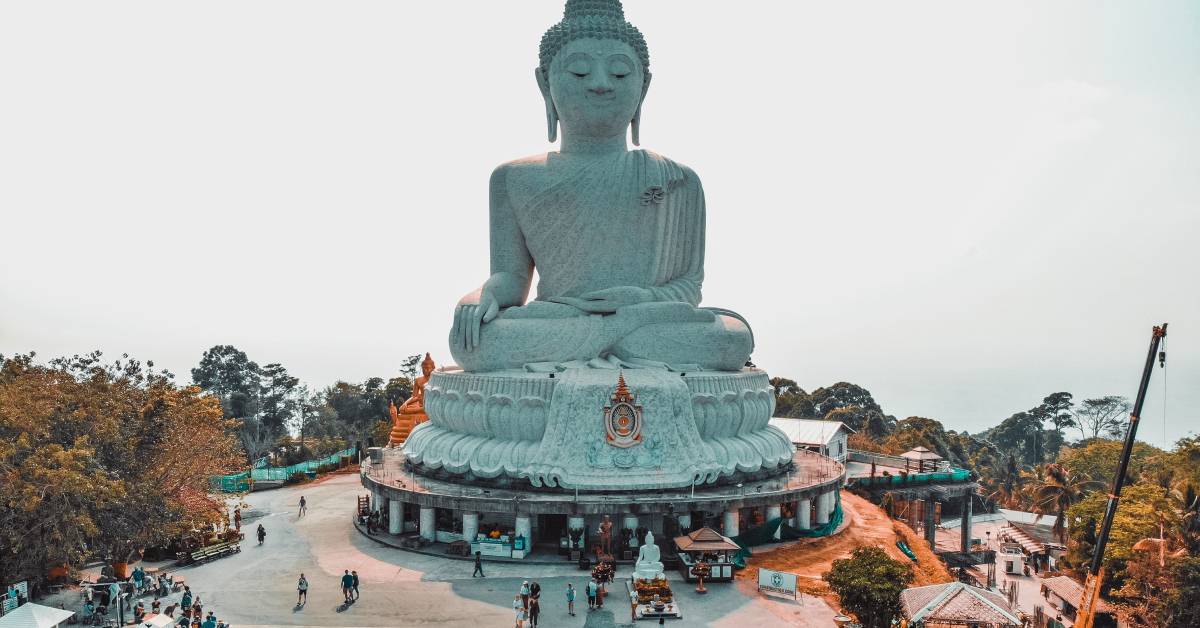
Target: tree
x,y
411,365
1021,434
1142,507
1102,415
1097,459
869,585
1055,409
1182,600
1006,486
99,458
790,399
278,398
1056,491
233,377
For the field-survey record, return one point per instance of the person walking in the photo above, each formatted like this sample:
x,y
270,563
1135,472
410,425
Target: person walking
x,y
525,594
570,600
237,519
519,611
186,603
355,583
591,593
347,586
303,505
478,565
262,534
301,590
535,609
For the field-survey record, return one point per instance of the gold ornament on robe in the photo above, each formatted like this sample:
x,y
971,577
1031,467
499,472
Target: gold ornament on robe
x,y
411,413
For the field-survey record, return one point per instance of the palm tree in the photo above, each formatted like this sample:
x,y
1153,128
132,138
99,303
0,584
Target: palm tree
x,y
1057,490
1007,484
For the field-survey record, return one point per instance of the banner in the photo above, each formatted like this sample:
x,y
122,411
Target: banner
x,y
780,582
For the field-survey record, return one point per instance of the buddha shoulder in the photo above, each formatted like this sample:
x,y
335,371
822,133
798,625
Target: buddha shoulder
x,y
521,177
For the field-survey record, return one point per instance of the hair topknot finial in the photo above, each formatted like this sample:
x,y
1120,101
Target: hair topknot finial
x,y
595,19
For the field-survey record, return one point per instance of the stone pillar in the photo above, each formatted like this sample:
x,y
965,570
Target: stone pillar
x,y
824,508
630,522
731,523
395,516
524,528
685,521
428,524
775,512
470,526
804,514
930,529
966,522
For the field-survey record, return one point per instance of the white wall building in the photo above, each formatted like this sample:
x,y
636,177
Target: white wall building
x,y
824,437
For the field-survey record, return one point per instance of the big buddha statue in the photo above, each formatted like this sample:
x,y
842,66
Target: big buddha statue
x,y
616,237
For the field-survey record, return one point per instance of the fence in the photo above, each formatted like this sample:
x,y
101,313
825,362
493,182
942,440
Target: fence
x,y
240,482
953,475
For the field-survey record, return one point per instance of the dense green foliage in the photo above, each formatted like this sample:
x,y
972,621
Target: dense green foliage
x,y
100,459
273,406
868,584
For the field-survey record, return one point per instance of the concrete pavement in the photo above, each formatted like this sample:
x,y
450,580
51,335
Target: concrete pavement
x,y
257,587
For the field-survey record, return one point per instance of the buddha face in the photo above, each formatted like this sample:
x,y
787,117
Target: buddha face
x,y
596,86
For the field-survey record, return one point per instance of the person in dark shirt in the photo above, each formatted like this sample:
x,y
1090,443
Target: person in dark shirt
x,y
478,565
354,583
347,586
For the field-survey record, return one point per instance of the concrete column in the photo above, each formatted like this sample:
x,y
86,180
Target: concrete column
x,y
775,512
731,522
395,516
523,528
804,514
930,529
966,522
428,523
630,522
824,507
685,521
470,526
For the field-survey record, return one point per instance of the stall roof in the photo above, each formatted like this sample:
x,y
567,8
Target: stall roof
x,y
705,540
957,603
30,615
920,453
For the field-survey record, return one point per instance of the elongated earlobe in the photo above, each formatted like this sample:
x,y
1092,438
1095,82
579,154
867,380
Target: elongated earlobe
x,y
635,126
551,112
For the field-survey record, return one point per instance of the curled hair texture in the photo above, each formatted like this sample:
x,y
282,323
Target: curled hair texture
x,y
592,19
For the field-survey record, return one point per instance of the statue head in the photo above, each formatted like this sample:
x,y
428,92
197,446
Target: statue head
x,y
427,365
594,71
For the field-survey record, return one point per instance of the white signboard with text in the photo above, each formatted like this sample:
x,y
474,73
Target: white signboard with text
x,y
778,582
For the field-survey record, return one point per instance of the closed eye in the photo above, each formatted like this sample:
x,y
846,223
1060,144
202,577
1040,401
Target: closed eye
x,y
620,76
579,75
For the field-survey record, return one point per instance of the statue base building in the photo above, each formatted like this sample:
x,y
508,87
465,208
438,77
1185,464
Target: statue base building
x,y
513,462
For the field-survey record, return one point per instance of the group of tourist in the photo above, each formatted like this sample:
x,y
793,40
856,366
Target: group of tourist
x,y
349,585
527,605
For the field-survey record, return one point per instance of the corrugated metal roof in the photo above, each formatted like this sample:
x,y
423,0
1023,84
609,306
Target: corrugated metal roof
x,y
810,431
1070,592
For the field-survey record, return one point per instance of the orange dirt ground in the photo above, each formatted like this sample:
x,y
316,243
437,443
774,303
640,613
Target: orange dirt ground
x,y
864,525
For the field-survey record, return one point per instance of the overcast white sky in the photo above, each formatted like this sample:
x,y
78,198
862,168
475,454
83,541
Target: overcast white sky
x,y
961,207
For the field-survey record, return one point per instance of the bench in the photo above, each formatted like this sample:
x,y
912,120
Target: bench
x,y
209,552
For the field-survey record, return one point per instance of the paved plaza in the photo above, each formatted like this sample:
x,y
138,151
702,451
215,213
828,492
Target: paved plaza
x,y
257,586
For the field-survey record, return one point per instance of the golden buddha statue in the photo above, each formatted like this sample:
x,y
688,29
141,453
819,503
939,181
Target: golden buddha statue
x,y
412,412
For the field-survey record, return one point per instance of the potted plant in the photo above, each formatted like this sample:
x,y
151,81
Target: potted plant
x,y
701,570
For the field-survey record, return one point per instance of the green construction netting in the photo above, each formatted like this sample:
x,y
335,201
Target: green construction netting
x,y
765,533
240,482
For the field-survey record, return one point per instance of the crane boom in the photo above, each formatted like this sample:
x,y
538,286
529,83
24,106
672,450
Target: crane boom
x,y
1091,589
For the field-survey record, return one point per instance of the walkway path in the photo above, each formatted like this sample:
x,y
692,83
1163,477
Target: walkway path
x,y
258,586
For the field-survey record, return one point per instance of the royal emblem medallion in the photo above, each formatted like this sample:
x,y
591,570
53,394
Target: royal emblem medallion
x,y
622,417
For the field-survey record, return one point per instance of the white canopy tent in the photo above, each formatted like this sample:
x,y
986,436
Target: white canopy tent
x,y
32,615
157,621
